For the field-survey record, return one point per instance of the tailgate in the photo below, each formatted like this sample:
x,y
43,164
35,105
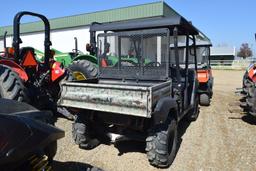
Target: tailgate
x,y
122,99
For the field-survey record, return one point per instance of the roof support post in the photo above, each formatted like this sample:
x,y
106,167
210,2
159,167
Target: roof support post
x,y
176,52
194,47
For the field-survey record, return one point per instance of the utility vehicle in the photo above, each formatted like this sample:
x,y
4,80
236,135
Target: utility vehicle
x,y
136,100
204,72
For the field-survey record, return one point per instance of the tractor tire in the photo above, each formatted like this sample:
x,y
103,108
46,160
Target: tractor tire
x,y
247,83
245,77
250,96
251,101
205,100
82,135
11,85
86,69
161,144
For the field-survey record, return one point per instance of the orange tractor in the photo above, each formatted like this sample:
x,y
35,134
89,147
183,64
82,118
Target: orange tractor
x,y
22,77
249,91
248,101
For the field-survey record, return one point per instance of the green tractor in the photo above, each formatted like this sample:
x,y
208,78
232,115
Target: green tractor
x,y
84,66
65,58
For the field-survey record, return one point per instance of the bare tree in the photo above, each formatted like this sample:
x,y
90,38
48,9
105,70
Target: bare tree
x,y
245,51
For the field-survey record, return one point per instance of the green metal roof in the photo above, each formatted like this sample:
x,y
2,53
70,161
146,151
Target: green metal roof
x,y
133,12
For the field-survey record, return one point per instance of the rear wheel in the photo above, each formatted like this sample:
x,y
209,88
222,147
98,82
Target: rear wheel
x,y
204,99
82,134
83,69
161,144
11,85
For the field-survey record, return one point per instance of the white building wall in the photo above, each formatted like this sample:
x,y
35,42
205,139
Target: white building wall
x,y
62,40
1,45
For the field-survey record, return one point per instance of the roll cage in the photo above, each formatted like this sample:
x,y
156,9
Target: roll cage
x,y
176,26
203,48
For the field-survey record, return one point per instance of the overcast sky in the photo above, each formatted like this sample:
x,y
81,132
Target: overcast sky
x,y
225,22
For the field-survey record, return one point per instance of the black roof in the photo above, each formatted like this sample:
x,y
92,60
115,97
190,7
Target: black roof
x,y
150,23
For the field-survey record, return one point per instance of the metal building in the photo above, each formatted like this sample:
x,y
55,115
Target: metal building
x,y
63,30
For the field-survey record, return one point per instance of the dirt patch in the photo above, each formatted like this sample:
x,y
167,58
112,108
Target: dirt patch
x,y
218,140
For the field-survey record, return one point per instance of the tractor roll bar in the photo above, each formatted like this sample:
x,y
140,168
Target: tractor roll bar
x,y
17,40
5,35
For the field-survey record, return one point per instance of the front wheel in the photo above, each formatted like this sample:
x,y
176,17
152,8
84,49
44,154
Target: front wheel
x,y
161,144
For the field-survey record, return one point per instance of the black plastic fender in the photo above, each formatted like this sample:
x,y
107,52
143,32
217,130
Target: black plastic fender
x,y
11,106
21,137
163,109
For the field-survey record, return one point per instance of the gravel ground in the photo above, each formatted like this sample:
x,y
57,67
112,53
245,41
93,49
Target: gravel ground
x,y
218,140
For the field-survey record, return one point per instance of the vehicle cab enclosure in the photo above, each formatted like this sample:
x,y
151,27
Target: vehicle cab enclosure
x,y
139,92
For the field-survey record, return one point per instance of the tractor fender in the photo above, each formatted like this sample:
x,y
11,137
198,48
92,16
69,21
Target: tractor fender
x,y
90,58
57,71
252,73
163,108
16,68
